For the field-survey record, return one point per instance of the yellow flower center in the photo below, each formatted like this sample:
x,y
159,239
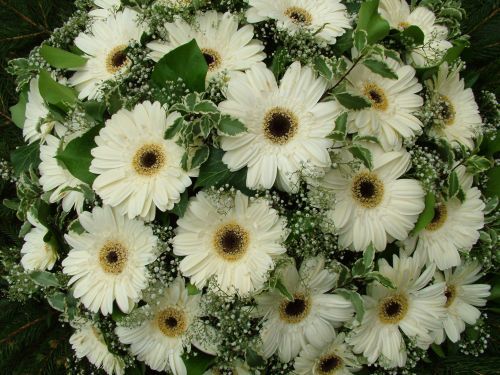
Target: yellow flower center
x,y
440,216
280,125
299,16
295,311
376,96
231,241
149,159
172,321
446,110
403,25
367,189
117,59
328,364
212,57
451,294
113,257
393,309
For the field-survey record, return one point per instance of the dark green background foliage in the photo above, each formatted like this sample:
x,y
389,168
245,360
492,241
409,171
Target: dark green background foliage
x,y
32,341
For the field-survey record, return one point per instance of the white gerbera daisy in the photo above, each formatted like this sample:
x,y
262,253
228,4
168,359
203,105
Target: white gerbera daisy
x,y
461,298
393,102
310,318
413,308
88,341
38,254
399,16
57,179
335,358
458,118
105,8
455,227
374,206
160,340
225,47
104,47
233,240
108,261
326,19
138,168
36,127
287,127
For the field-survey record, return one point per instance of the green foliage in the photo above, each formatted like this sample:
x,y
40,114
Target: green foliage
x,y
59,58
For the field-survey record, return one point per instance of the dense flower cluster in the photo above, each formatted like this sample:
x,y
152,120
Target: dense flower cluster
x,y
261,186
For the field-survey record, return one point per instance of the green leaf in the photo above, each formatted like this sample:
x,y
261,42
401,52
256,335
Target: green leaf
x,y
427,214
59,58
44,278
55,93
197,362
205,106
186,62
25,157
278,65
493,184
368,257
340,132
253,359
18,111
438,350
370,21
352,101
358,268
362,154
181,207
477,164
178,124
412,36
377,276
230,126
283,290
322,67
453,184
76,155
200,156
95,110
192,290
360,39
57,301
454,52
356,300
381,68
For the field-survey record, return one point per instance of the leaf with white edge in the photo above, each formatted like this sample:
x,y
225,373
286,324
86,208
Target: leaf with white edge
x,y
340,132
360,38
200,156
322,68
175,128
356,300
59,58
427,215
230,126
368,257
366,138
477,164
55,93
377,276
453,184
44,278
362,154
381,68
57,301
205,106
351,101
358,268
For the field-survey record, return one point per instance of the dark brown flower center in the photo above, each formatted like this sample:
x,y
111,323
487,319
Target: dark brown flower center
x,y
172,321
295,311
393,309
149,159
299,16
451,294
280,125
328,364
231,241
446,110
212,58
367,189
376,96
113,257
116,59
439,218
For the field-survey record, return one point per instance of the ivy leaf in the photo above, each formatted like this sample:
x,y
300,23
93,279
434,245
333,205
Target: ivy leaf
x,y
59,58
352,101
200,156
185,62
381,68
453,184
18,111
427,215
44,278
55,93
370,21
356,300
362,154
76,155
25,157
230,126
340,132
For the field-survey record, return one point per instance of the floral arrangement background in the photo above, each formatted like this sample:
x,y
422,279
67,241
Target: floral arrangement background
x,y
240,187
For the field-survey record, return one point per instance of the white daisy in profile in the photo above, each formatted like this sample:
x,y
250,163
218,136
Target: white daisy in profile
x,y
334,358
138,169
287,126
374,206
88,341
457,117
232,240
36,127
435,45
326,19
55,178
455,227
393,104
226,47
104,47
309,318
462,299
37,254
414,309
108,261
159,341
104,8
